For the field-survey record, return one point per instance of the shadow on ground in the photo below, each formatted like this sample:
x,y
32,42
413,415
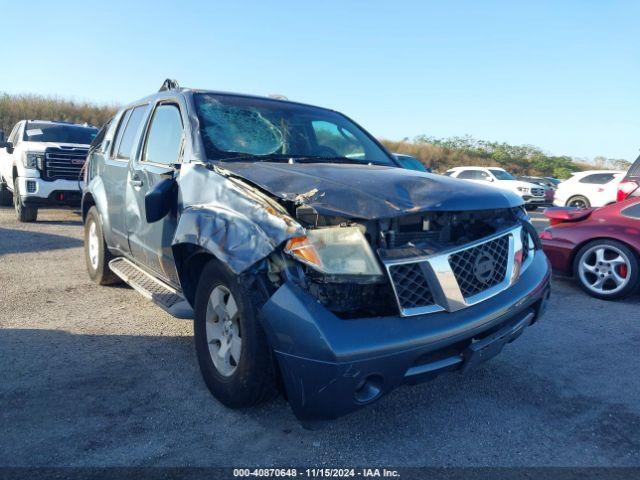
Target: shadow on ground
x,y
26,241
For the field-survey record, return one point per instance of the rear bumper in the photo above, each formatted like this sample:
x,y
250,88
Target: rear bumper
x,y
331,366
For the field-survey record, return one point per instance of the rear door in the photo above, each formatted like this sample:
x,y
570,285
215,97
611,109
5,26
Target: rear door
x,y
119,144
160,153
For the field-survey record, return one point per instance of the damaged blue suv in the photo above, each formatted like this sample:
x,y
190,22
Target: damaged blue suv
x,y
310,262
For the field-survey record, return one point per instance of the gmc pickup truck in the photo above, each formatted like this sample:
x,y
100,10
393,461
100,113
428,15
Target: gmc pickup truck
x,y
40,165
310,262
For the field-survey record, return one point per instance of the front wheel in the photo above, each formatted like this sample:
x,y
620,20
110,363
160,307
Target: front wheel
x,y
96,253
24,214
530,208
233,353
606,269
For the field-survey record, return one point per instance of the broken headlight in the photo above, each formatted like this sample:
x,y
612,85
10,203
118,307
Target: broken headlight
x,y
335,251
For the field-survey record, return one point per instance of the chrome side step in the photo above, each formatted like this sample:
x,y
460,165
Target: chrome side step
x,y
163,295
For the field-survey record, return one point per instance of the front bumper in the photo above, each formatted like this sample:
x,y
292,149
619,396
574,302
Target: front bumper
x,y
36,192
539,201
331,366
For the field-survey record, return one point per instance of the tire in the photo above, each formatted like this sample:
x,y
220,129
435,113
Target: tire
x,y
96,253
6,197
531,208
251,378
578,201
589,269
24,214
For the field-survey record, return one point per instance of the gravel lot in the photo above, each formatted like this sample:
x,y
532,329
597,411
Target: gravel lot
x,y
96,376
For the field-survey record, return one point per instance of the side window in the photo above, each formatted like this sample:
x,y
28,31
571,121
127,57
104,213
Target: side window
x,y
597,178
14,134
469,175
126,145
165,136
482,175
632,212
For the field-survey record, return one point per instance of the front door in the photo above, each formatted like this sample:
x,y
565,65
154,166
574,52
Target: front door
x,y
161,148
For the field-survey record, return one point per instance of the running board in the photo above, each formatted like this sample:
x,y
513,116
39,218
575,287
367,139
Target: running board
x,y
163,295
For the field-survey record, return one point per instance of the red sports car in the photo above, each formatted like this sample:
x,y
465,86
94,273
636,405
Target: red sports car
x,y
599,247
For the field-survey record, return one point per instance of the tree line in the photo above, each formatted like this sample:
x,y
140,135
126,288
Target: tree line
x,y
439,154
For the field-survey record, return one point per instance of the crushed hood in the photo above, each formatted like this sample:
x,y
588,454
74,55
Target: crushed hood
x,y
369,191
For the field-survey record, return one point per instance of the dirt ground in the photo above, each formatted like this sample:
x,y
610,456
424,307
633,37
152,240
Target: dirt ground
x,y
97,376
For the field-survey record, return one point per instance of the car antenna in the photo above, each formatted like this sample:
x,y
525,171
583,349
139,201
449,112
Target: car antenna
x,y
169,84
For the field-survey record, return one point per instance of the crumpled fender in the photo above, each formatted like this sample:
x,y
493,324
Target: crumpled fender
x,y
228,218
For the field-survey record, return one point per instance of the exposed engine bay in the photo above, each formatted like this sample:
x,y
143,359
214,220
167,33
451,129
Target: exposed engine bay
x,y
417,235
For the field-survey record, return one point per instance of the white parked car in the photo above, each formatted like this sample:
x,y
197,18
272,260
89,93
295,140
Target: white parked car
x,y
532,194
592,188
40,165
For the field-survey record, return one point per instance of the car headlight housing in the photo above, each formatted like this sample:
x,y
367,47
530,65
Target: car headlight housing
x,y
335,251
523,189
33,160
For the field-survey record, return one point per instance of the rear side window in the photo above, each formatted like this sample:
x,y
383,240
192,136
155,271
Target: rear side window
x,y
635,168
632,212
597,178
473,175
128,136
165,136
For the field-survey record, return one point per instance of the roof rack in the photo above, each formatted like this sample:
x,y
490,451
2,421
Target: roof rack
x,y
169,84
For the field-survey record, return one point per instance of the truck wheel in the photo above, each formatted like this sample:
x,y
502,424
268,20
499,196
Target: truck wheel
x,y
233,353
96,253
6,197
606,269
23,213
578,202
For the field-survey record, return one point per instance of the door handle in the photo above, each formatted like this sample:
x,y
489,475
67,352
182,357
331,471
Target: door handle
x,y
135,182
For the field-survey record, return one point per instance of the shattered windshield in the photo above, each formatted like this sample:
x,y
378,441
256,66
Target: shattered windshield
x,y
236,127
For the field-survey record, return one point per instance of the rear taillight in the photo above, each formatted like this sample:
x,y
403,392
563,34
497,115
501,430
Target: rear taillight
x,y
626,188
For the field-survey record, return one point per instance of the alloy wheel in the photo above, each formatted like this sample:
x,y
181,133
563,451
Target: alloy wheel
x,y
223,330
604,269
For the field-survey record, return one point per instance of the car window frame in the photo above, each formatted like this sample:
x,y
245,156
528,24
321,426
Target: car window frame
x,y
147,129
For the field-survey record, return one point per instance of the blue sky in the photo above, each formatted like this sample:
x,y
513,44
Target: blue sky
x,y
561,75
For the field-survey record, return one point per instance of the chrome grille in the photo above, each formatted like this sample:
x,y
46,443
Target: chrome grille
x,y
482,267
63,163
455,279
411,286
537,192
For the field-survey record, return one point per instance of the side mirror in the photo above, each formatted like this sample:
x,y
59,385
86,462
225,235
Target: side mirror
x,y
9,147
160,200
490,179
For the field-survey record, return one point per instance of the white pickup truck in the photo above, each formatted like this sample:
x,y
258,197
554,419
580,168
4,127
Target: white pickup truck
x,y
40,166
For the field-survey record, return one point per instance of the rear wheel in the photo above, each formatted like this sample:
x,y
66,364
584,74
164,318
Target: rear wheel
x,y
233,353
578,201
23,213
96,253
606,269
